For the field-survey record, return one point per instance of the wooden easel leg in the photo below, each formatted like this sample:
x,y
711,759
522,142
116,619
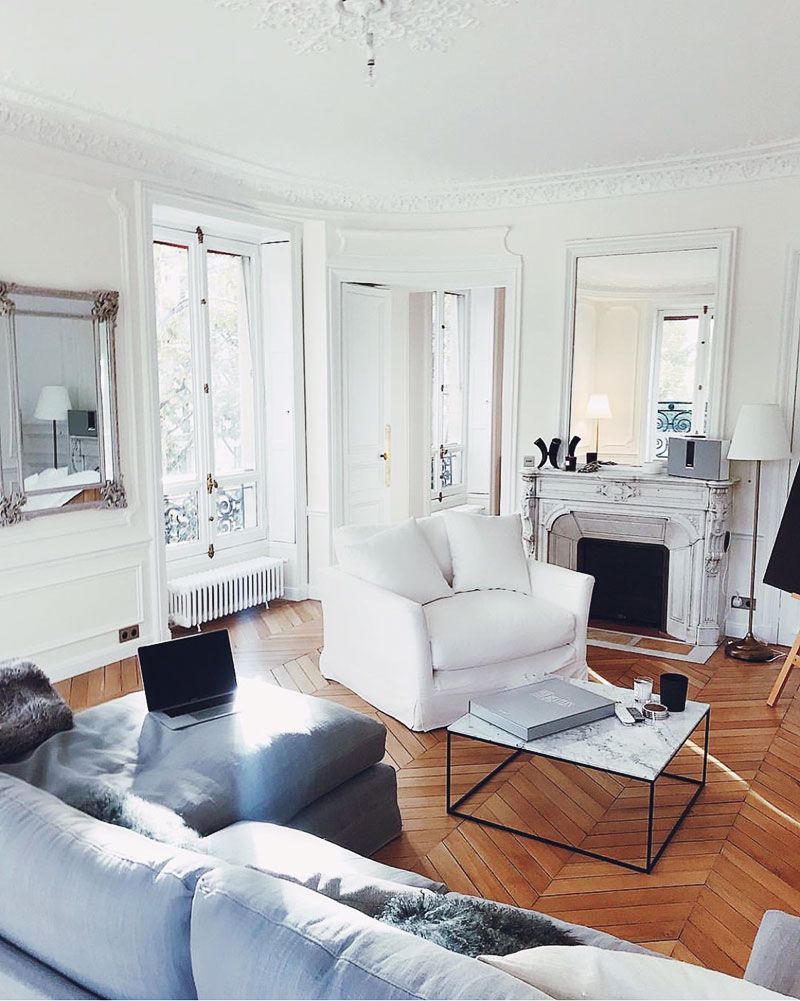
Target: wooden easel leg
x,y
792,658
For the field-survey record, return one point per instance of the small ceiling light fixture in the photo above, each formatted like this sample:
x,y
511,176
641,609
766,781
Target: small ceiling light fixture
x,y
425,25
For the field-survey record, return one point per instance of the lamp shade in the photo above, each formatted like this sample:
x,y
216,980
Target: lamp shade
x,y
760,433
53,404
598,408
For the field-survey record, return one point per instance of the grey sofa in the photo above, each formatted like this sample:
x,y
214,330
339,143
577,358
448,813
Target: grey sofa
x,y
262,910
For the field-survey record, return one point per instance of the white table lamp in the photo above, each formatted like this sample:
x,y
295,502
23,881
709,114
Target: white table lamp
x,y
597,409
53,405
759,436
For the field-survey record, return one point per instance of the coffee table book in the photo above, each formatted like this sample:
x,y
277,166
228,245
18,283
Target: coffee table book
x,y
547,706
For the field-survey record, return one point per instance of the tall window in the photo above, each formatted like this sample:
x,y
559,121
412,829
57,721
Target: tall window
x,y
210,437
448,396
683,339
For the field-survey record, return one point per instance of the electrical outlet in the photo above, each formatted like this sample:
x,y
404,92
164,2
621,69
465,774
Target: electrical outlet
x,y
742,601
129,633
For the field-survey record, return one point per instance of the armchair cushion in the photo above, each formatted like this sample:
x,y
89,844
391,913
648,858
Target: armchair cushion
x,y
399,559
487,552
474,628
433,528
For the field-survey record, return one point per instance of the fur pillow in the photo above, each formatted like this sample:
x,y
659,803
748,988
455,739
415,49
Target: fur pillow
x,y
125,809
471,926
31,710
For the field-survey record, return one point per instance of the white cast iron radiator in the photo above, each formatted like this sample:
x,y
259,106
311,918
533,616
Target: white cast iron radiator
x,y
201,597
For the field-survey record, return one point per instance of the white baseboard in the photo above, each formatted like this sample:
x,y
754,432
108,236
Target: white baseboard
x,y
81,663
296,593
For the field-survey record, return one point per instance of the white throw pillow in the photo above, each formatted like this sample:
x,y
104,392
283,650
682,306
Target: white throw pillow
x,y
585,971
400,560
487,552
434,528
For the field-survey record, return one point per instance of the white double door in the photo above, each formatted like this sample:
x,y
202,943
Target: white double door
x,y
366,404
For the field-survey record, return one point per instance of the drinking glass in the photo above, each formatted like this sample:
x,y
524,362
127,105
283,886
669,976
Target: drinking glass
x,y
642,689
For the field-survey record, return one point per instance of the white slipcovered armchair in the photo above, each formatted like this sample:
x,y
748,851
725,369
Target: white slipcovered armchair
x,y
421,663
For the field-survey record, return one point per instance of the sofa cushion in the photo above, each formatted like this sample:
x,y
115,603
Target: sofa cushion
x,y
584,971
361,814
485,627
23,977
105,907
278,754
254,936
487,552
775,958
398,559
315,863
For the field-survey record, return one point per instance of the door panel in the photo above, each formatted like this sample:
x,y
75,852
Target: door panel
x,y
366,314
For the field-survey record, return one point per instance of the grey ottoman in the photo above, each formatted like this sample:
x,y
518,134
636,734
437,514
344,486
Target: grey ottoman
x,y
285,758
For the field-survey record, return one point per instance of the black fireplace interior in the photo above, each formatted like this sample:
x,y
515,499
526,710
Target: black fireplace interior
x,y
630,581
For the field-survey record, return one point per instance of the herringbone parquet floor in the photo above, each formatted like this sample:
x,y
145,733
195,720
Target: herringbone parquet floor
x,y
737,854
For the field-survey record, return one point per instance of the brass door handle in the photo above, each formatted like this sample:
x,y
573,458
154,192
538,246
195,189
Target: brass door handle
x,y
384,456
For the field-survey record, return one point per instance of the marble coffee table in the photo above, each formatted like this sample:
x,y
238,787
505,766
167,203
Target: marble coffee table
x,y
642,752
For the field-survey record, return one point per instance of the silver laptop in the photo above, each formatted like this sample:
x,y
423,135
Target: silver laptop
x,y
189,681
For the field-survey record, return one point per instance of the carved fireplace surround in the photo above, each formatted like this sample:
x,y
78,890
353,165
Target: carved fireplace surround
x,y
689,517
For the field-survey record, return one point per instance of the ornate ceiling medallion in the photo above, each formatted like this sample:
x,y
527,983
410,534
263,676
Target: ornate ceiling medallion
x,y
425,25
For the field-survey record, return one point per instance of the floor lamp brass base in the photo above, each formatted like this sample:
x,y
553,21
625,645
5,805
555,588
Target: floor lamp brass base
x,y
749,649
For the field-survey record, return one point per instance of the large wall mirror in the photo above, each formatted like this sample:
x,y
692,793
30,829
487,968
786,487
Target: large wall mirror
x,y
59,444
648,343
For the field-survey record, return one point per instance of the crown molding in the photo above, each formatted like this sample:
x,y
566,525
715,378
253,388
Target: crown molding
x,y
153,155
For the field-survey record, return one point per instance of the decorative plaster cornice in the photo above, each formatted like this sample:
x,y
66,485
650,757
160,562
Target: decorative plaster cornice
x,y
160,157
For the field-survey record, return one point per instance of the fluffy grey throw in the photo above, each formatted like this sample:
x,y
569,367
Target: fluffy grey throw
x,y
125,809
31,710
471,926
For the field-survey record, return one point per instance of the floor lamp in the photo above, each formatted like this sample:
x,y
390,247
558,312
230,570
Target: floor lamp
x,y
53,405
759,436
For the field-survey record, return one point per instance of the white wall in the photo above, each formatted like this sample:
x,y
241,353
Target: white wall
x,y
68,582
767,215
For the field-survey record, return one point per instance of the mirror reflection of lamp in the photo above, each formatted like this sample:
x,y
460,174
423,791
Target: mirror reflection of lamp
x,y
53,405
597,409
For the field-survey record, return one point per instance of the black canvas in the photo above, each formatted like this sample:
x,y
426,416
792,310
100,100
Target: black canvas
x,y
783,569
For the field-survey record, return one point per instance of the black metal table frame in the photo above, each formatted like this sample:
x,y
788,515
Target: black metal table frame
x,y
650,858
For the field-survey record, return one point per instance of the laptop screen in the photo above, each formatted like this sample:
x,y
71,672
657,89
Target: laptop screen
x,y
188,670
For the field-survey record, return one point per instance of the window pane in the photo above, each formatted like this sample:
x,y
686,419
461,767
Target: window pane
x,y
677,376
452,372
678,358
175,374
236,508
233,423
181,523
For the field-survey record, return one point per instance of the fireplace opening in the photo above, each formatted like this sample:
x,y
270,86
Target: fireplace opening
x,y
630,581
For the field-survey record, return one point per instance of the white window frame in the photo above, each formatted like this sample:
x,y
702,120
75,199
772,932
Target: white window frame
x,y
457,494
255,538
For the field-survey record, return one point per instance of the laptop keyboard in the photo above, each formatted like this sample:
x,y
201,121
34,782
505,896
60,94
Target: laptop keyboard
x,y
210,713
208,706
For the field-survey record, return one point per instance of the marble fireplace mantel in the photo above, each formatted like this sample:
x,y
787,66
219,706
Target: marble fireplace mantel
x,y
690,517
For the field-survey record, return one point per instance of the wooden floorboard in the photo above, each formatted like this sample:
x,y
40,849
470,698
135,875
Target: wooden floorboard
x,y
735,856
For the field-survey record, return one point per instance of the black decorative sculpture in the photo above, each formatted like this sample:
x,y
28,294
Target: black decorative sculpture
x,y
552,453
541,445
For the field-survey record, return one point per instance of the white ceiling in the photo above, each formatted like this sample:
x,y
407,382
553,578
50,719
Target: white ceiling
x,y
539,87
